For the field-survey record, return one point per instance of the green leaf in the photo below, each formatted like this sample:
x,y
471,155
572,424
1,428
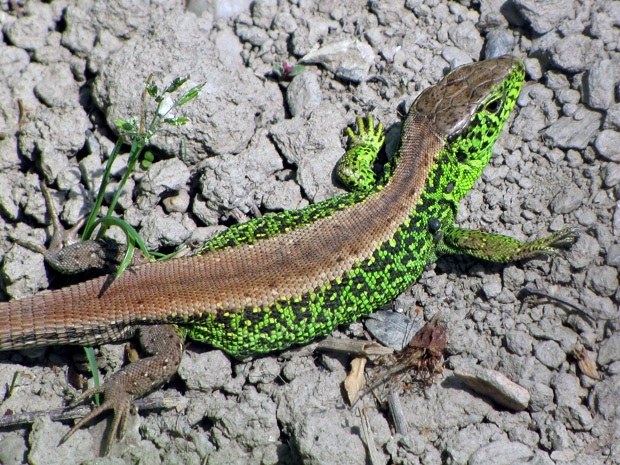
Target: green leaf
x,y
176,121
147,160
173,87
296,70
152,89
190,94
278,70
94,370
124,125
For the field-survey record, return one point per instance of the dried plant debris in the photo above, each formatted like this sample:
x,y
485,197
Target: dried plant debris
x,y
355,380
585,363
418,363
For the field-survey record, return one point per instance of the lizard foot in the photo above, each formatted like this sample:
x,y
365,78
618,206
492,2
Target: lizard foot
x,y
551,244
68,255
135,380
354,169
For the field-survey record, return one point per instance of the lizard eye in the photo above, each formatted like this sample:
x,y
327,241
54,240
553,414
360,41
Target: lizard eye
x,y
494,106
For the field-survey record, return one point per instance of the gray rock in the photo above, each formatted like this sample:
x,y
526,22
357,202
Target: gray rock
x,y
11,193
304,94
499,41
513,277
607,144
576,52
305,38
312,145
165,175
45,435
496,386
205,214
460,446
160,230
285,195
613,368
540,458
556,436
567,389
611,174
392,329
235,181
236,99
65,127
523,434
604,397
609,350
599,85
79,203
612,117
58,87
264,370
599,307
206,371
576,417
92,169
544,16
284,21
30,31
567,200
467,38
24,272
264,12
347,59
455,56
220,9
307,411
568,132
13,60
519,342
53,162
500,453
612,258
546,329
582,253
12,449
252,34
492,286
176,203
603,280
490,15
550,354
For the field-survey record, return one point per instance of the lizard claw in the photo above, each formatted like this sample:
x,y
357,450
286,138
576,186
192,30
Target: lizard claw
x,y
550,245
121,403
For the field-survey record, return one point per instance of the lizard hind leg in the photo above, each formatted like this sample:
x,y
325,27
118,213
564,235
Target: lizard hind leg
x,y
134,380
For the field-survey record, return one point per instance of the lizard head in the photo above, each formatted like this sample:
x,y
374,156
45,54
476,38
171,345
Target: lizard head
x,y
469,108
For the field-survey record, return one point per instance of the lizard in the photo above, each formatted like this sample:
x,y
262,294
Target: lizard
x,y
287,278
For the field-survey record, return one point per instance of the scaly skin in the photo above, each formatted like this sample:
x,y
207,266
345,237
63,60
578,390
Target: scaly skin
x,y
289,277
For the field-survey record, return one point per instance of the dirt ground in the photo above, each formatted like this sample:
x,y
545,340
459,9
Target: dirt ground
x,y
69,69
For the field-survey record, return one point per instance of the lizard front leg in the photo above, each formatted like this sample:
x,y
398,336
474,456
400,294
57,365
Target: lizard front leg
x,y
354,169
135,380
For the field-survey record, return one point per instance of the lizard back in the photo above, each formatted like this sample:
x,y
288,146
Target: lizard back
x,y
290,277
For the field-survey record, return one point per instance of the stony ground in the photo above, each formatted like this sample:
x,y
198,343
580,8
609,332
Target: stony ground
x,y
69,69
